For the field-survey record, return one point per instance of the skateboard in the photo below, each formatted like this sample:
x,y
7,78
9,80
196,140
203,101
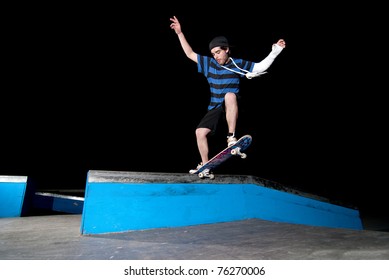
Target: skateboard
x,y
233,150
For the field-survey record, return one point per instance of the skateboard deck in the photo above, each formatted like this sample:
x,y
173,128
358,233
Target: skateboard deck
x,y
233,150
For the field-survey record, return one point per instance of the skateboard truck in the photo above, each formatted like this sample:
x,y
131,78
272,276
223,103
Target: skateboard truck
x,y
237,152
206,174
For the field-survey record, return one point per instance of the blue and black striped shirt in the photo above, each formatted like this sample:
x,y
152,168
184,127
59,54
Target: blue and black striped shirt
x,y
221,80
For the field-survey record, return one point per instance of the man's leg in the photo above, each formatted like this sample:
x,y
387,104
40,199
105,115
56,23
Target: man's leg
x,y
231,107
202,143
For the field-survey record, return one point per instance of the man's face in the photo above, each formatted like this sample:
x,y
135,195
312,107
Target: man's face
x,y
220,55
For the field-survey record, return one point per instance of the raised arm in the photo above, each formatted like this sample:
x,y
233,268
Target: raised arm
x,y
176,26
263,65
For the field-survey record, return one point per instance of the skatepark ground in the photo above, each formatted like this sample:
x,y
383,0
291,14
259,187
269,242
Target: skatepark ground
x,y
58,237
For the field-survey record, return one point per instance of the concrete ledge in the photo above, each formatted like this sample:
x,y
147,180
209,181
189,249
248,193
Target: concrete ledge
x,y
123,201
103,176
58,202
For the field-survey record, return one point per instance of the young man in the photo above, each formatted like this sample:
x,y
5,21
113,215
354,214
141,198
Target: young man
x,y
223,74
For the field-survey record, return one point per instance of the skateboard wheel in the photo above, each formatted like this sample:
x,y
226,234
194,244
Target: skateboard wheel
x,y
235,151
211,176
243,155
201,175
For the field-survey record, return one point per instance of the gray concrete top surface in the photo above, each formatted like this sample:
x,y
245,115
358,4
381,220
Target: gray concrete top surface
x,y
13,179
100,176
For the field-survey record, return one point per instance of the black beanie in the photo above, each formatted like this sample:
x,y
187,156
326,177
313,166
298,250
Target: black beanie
x,y
219,41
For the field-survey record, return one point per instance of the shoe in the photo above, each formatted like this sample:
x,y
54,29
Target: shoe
x,y
231,140
193,171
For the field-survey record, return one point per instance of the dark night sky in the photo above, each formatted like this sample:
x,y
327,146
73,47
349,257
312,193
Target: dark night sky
x,y
109,88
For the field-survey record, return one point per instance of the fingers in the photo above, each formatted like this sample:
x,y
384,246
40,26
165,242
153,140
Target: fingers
x,y
281,43
174,19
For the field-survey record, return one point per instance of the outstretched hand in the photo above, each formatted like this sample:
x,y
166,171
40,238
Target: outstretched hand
x,y
281,43
175,25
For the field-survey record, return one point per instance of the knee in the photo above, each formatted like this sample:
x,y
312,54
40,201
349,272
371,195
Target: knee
x,y
230,98
201,132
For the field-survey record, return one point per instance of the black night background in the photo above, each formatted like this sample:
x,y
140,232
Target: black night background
x,y
109,88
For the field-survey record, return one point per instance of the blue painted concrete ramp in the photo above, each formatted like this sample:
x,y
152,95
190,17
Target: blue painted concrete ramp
x,y
118,201
12,195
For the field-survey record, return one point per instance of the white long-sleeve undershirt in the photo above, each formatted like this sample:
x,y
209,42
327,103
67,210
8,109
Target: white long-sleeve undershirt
x,y
259,67
263,65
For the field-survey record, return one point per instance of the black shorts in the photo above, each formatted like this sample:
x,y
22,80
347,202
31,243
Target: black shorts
x,y
211,119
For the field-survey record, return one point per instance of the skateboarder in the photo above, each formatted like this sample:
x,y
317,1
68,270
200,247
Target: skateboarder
x,y
223,74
